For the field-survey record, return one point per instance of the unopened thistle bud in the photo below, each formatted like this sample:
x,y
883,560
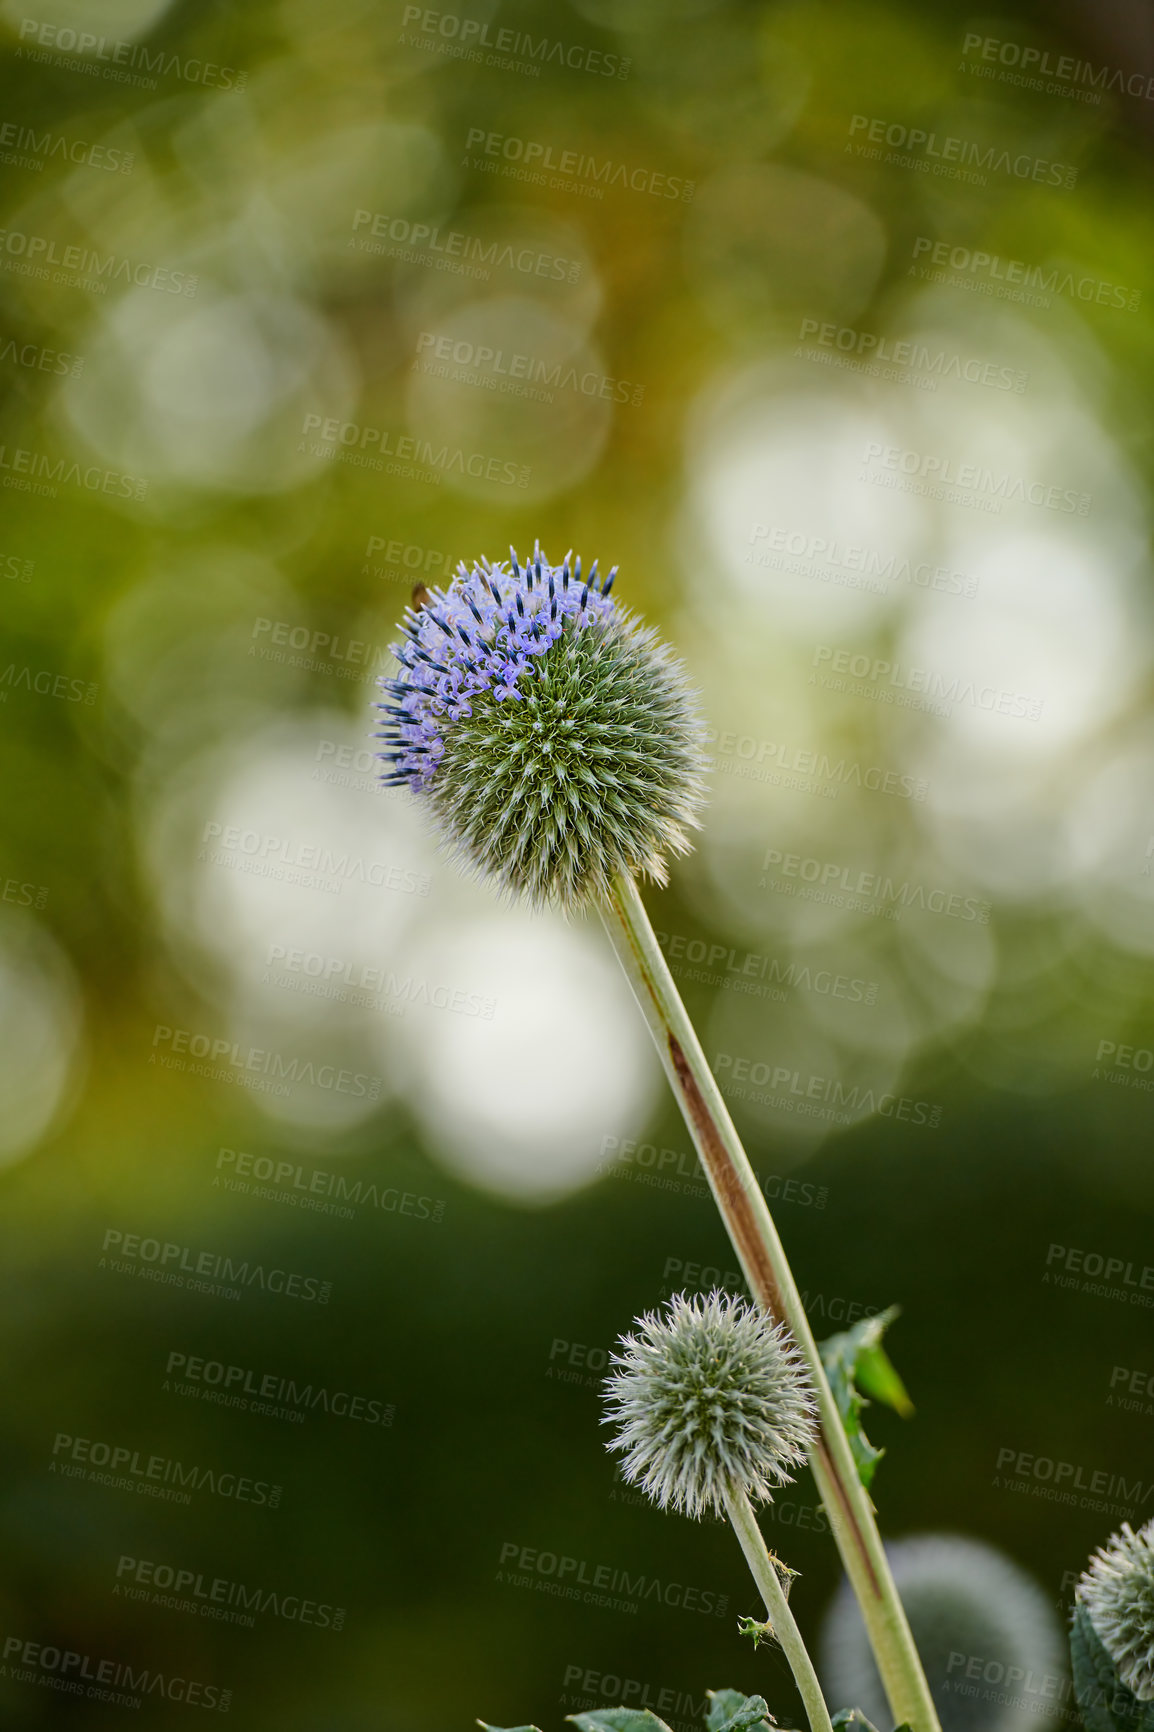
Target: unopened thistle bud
x,y
1117,1592
553,736
712,1397
964,1599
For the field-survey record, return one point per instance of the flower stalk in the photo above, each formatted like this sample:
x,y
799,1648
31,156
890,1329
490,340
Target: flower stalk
x,y
558,746
763,1261
785,1630
712,1408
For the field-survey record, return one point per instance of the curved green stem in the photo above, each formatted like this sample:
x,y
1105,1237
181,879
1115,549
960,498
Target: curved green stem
x,y
785,1630
762,1256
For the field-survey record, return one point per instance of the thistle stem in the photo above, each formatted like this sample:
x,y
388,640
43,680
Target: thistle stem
x,y
753,1234
785,1630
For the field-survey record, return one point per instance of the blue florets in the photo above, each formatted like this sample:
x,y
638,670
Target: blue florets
x,y
551,736
479,635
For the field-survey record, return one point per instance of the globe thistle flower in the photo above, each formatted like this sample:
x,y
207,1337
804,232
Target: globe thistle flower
x,y
710,1400
1117,1592
961,1597
553,736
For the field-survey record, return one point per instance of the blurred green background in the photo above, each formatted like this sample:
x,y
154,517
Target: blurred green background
x,y
264,272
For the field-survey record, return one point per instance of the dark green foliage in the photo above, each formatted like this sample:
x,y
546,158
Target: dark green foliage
x,y
858,1369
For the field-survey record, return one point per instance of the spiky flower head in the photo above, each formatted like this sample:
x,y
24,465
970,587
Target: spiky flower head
x,y
1117,1591
554,737
710,1397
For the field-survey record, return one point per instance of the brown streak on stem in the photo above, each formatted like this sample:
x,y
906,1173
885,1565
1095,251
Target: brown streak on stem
x,y
720,1164
733,1187
821,1449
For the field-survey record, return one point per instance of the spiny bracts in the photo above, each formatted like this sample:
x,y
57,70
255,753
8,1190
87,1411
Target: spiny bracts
x,y
709,1398
1117,1591
553,736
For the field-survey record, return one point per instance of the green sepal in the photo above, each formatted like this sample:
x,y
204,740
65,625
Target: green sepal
x,y
859,1369
618,1720
1107,1704
731,1711
489,1728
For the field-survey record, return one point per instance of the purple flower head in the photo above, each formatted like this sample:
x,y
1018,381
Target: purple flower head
x,y
552,735
479,635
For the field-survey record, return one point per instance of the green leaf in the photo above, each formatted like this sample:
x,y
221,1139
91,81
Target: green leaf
x,y
731,1711
858,1368
1106,1703
618,1720
489,1728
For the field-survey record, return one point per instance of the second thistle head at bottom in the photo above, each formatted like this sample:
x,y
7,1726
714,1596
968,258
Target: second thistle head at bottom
x,y
709,1398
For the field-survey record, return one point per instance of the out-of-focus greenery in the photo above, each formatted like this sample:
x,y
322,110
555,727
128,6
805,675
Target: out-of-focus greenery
x,y
197,653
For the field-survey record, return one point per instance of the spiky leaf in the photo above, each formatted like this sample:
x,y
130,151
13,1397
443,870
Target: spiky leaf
x,y
858,1368
618,1720
732,1711
1106,1703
